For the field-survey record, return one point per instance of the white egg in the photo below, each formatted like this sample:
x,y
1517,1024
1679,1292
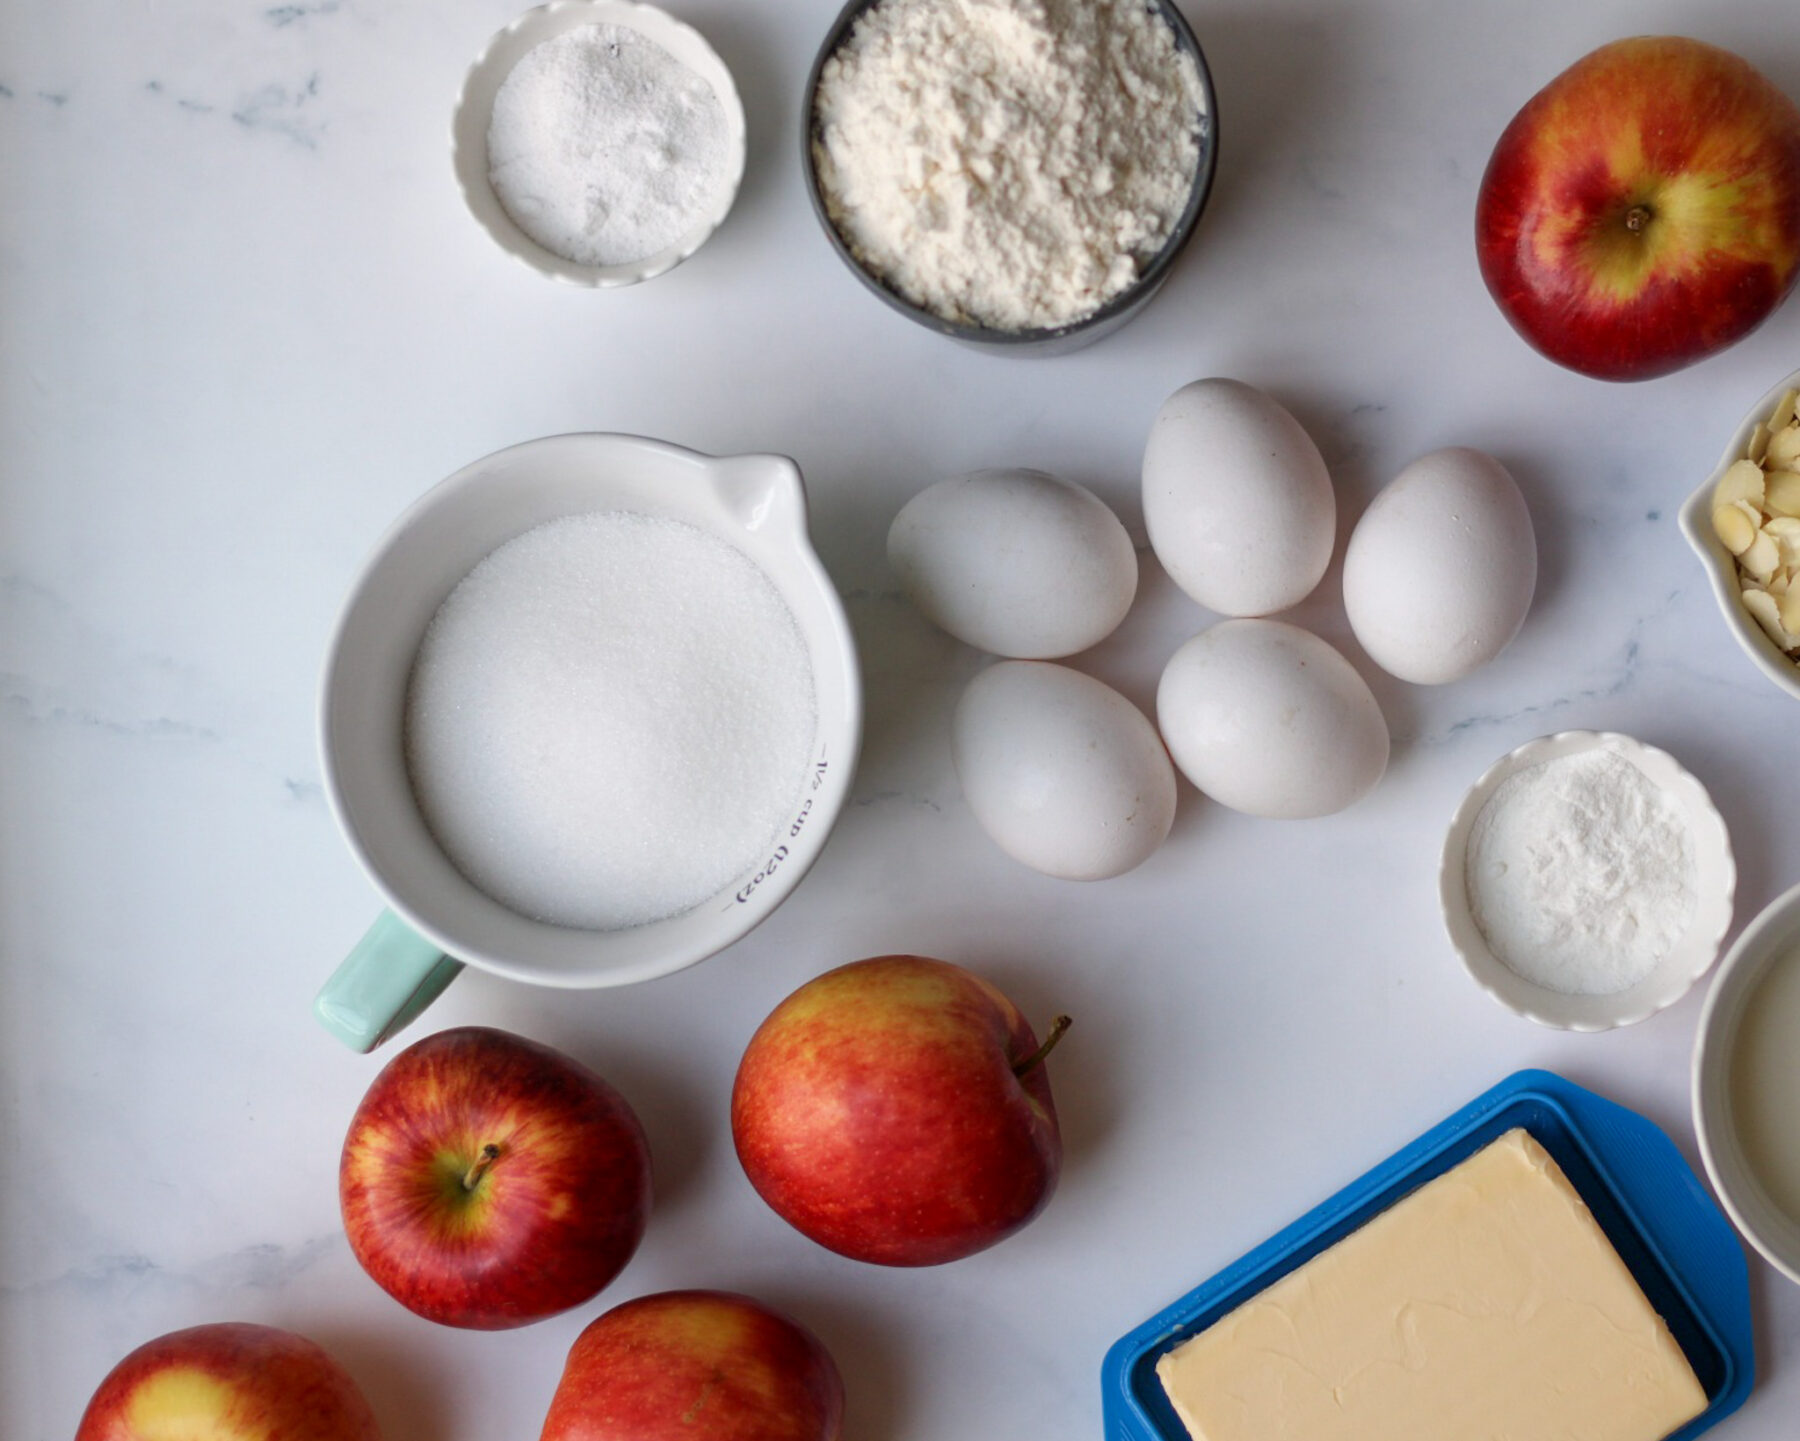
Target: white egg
x,y
1015,562
1441,568
1269,719
1237,499
1062,771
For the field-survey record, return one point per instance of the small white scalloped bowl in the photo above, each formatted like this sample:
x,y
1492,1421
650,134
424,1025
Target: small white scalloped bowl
x,y
1771,939
1715,880
475,109
1721,565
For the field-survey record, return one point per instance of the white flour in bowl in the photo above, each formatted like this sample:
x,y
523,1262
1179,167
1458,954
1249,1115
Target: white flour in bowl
x,y
1009,162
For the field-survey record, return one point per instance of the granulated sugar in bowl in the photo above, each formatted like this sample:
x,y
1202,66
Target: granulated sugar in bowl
x,y
589,715
609,719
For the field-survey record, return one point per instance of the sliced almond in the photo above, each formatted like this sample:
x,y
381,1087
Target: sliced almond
x,y
1781,493
1766,611
1785,530
1756,515
1736,531
1743,480
1762,557
1784,447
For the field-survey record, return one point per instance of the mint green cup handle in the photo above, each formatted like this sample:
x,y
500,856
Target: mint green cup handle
x,y
392,974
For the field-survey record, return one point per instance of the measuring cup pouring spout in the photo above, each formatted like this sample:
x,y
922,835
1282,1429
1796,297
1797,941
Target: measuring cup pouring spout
x,y
763,493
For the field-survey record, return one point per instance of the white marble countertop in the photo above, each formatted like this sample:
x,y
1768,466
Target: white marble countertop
x,y
244,320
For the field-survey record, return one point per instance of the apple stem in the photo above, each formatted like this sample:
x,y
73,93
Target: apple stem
x,y
1637,218
490,1153
1057,1027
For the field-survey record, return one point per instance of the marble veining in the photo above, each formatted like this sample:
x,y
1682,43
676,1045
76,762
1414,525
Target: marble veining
x,y
247,321
261,1266
284,109
282,16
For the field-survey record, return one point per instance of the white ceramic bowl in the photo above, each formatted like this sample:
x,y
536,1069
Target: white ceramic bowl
x,y
1773,1231
1715,881
475,109
1721,565
757,504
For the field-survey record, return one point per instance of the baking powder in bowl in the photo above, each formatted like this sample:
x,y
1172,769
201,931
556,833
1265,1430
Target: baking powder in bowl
x,y
604,148
610,720
1580,873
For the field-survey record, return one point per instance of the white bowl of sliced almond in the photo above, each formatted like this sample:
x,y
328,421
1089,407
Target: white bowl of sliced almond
x,y
1744,524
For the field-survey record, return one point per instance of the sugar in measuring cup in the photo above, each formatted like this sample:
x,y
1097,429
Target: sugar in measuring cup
x,y
414,802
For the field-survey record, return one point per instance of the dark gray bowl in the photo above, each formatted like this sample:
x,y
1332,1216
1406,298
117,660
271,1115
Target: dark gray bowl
x,y
1057,340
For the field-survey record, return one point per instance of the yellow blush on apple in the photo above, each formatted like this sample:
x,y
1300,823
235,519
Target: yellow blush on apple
x,y
1642,211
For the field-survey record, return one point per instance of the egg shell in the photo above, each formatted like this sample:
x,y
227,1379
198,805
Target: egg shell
x,y
1268,719
1065,774
1440,570
1237,499
1015,562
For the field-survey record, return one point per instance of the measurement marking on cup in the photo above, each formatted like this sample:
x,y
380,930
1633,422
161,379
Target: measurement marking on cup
x,y
769,868
780,854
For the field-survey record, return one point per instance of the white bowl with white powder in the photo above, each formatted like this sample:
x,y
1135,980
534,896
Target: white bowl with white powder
x,y
601,142
1019,175
1587,881
554,724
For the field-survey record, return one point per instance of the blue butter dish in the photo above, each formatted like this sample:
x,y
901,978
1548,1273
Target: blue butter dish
x,y
1664,1225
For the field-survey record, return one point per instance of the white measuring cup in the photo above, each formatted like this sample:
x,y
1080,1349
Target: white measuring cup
x,y
436,920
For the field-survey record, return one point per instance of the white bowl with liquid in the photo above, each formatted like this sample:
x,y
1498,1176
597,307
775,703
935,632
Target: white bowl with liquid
x,y
1746,1083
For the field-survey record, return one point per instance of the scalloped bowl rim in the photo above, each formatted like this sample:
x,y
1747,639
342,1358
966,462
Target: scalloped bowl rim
x,y
475,104
1676,974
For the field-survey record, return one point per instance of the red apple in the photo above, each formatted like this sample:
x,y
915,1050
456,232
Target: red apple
x,y
897,1110
230,1381
489,1181
696,1366
1643,210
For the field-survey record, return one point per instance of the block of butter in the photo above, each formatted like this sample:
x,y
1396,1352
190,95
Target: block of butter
x,y
1488,1303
